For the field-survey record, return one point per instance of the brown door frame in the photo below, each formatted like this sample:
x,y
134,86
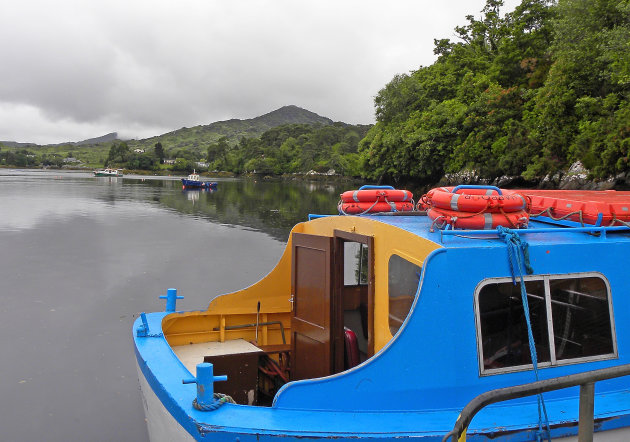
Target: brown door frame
x,y
342,236
319,360
335,284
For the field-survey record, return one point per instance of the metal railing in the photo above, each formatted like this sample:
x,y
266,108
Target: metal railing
x,y
585,380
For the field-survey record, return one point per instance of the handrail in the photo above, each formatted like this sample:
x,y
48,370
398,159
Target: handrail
x,y
371,186
601,230
476,186
539,230
585,380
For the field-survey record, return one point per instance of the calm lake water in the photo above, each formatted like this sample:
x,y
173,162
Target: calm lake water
x,y
82,256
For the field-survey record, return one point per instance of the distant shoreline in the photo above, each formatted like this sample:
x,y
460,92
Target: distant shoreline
x,y
310,176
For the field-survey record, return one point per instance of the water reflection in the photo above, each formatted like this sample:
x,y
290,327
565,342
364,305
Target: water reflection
x,y
82,255
271,206
266,205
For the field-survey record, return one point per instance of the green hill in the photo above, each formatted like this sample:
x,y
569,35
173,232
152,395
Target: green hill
x,y
190,143
199,137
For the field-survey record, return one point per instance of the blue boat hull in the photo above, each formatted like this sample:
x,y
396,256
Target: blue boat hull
x,y
171,416
190,184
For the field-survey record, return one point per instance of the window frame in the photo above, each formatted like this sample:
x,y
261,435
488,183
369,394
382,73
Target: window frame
x,y
553,362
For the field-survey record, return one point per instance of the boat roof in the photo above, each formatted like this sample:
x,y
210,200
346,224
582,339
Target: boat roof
x,y
557,216
537,233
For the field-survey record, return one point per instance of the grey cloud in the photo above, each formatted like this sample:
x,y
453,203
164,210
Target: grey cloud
x,y
139,66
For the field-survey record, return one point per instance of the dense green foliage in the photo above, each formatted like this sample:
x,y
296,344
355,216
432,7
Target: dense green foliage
x,y
525,93
294,148
54,156
18,158
291,148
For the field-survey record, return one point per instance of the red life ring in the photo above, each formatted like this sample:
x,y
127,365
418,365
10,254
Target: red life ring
x,y
478,221
371,195
373,207
476,200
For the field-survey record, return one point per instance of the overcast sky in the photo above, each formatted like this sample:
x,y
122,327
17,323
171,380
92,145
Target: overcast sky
x,y
77,69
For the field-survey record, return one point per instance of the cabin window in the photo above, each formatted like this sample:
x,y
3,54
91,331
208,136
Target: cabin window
x,y
504,327
581,317
404,277
570,318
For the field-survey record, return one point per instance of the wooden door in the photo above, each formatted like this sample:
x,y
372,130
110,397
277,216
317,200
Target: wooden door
x,y
311,324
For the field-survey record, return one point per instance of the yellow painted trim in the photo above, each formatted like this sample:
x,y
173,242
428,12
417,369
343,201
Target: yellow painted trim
x,y
462,438
274,291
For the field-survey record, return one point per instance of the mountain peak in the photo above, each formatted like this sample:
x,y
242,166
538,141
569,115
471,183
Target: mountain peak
x,y
292,114
102,139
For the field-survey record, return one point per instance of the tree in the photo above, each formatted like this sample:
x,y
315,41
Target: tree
x,y
217,153
159,152
118,153
585,93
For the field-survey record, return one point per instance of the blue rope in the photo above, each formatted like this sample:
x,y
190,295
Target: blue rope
x,y
518,257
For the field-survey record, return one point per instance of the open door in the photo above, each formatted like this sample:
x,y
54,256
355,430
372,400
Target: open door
x,y
332,284
311,324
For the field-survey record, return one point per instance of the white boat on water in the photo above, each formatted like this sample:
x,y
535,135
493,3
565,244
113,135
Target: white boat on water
x,y
109,172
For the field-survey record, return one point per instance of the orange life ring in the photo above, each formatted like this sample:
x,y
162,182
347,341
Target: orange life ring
x,y
371,195
486,199
373,207
478,221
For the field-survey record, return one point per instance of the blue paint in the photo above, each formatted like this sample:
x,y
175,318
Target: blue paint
x,y
567,222
143,329
371,187
475,186
205,383
419,382
312,216
171,299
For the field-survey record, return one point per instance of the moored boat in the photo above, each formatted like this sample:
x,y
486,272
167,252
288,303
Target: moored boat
x,y
384,326
108,172
193,181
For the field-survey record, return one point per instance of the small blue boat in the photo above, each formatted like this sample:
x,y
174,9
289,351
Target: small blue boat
x,y
194,182
393,326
